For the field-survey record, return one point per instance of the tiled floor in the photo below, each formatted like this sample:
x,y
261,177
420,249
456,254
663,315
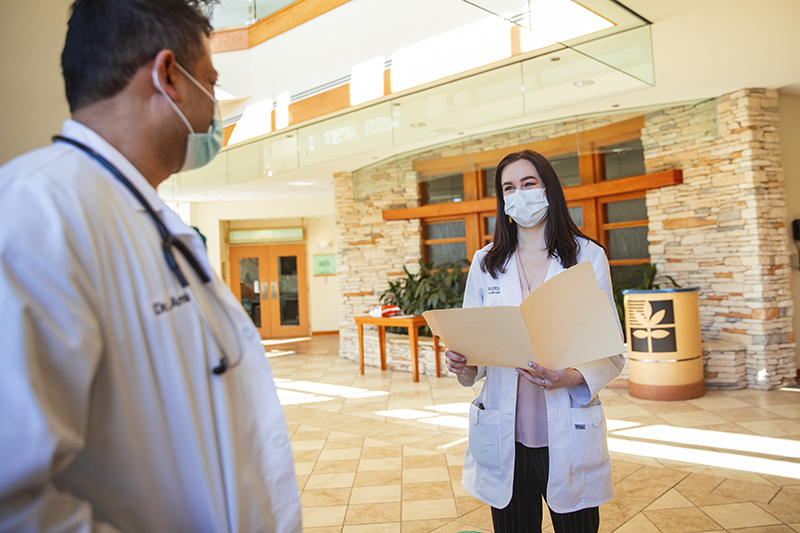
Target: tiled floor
x,y
379,453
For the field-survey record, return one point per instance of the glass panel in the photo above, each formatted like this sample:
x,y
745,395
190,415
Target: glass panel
x,y
567,169
626,210
577,215
211,176
249,287
436,254
378,178
489,225
627,275
443,188
624,159
628,243
232,13
263,158
490,191
265,8
573,78
357,132
445,230
289,300
630,52
486,98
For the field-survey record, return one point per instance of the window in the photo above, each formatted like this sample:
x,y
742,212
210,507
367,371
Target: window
x,y
445,241
624,233
624,159
442,188
602,171
567,169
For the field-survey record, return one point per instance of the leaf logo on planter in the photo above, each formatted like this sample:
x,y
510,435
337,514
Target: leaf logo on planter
x,y
652,326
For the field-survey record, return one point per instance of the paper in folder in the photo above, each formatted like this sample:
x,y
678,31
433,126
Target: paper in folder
x,y
567,321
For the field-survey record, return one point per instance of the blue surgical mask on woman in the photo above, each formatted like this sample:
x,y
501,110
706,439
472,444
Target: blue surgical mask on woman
x,y
200,147
527,207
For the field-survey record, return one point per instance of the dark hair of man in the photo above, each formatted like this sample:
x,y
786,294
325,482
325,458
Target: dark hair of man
x,y
560,231
109,40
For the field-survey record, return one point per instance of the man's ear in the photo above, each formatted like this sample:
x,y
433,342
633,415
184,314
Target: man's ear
x,y
166,72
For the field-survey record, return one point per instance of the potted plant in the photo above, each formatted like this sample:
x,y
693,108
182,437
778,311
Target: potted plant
x,y
439,288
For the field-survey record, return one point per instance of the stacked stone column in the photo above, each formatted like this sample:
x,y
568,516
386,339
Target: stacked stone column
x,y
723,229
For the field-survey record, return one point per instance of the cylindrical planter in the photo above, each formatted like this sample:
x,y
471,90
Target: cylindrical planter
x,y
665,351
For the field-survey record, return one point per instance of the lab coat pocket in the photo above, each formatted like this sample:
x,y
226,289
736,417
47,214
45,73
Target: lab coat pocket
x,y
587,431
484,435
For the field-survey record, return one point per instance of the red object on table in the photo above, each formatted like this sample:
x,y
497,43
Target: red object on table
x,y
411,323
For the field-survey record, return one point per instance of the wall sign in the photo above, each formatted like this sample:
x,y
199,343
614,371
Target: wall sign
x,y
325,265
266,235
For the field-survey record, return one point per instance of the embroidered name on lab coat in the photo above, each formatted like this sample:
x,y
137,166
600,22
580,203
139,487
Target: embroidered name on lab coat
x,y
493,289
175,301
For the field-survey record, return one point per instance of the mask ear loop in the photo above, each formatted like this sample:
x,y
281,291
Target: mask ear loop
x,y
166,96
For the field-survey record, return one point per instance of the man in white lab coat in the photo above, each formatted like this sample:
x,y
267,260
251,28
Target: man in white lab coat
x,y
134,393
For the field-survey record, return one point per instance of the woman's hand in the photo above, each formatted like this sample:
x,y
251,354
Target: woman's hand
x,y
551,379
457,363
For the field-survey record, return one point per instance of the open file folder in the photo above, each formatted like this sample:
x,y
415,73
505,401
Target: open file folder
x,y
566,322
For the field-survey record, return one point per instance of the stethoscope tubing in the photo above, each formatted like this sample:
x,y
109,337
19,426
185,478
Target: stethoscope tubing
x,y
168,240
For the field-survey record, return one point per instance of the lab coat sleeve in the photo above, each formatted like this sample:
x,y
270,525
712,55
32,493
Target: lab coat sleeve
x,y
474,296
51,352
598,374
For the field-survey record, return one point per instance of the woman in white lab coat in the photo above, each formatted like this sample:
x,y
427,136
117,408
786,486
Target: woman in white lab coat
x,y
536,431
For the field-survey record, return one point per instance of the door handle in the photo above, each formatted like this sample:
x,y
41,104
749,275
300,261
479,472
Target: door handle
x,y
273,288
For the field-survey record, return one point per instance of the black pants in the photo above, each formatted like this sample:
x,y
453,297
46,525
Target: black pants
x,y
524,513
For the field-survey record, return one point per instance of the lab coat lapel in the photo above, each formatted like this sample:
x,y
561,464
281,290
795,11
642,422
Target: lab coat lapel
x,y
510,290
554,268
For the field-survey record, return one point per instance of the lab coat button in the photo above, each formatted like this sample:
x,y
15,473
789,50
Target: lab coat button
x,y
278,439
596,421
554,413
249,331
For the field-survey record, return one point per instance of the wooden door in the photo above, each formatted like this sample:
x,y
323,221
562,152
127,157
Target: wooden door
x,y
270,282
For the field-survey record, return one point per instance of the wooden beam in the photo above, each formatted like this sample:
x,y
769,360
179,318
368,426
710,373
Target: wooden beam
x,y
572,194
229,40
624,185
281,21
441,210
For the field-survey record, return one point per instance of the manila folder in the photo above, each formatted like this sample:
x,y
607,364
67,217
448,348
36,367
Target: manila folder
x,y
566,322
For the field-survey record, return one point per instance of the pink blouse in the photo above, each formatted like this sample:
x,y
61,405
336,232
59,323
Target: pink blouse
x,y
531,427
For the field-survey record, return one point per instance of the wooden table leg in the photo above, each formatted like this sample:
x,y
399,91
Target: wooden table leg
x,y
436,353
361,347
382,344
413,338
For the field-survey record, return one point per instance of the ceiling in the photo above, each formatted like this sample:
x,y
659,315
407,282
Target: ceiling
x,y
701,49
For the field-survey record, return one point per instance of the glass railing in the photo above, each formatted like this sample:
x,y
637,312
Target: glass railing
x,y
232,13
614,61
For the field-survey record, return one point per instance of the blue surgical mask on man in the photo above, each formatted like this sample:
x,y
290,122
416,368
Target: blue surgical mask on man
x,y
200,147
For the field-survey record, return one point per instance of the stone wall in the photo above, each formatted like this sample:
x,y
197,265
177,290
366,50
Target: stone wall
x,y
723,229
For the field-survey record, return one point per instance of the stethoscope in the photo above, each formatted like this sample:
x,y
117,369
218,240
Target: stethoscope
x,y
168,241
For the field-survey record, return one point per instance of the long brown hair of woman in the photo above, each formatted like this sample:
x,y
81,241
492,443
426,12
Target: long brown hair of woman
x,y
560,230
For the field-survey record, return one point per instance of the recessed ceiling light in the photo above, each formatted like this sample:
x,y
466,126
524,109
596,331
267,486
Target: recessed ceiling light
x,y
396,104
418,124
461,133
584,83
555,59
614,105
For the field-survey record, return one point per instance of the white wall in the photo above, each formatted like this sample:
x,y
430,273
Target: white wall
x,y
32,100
316,214
790,155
